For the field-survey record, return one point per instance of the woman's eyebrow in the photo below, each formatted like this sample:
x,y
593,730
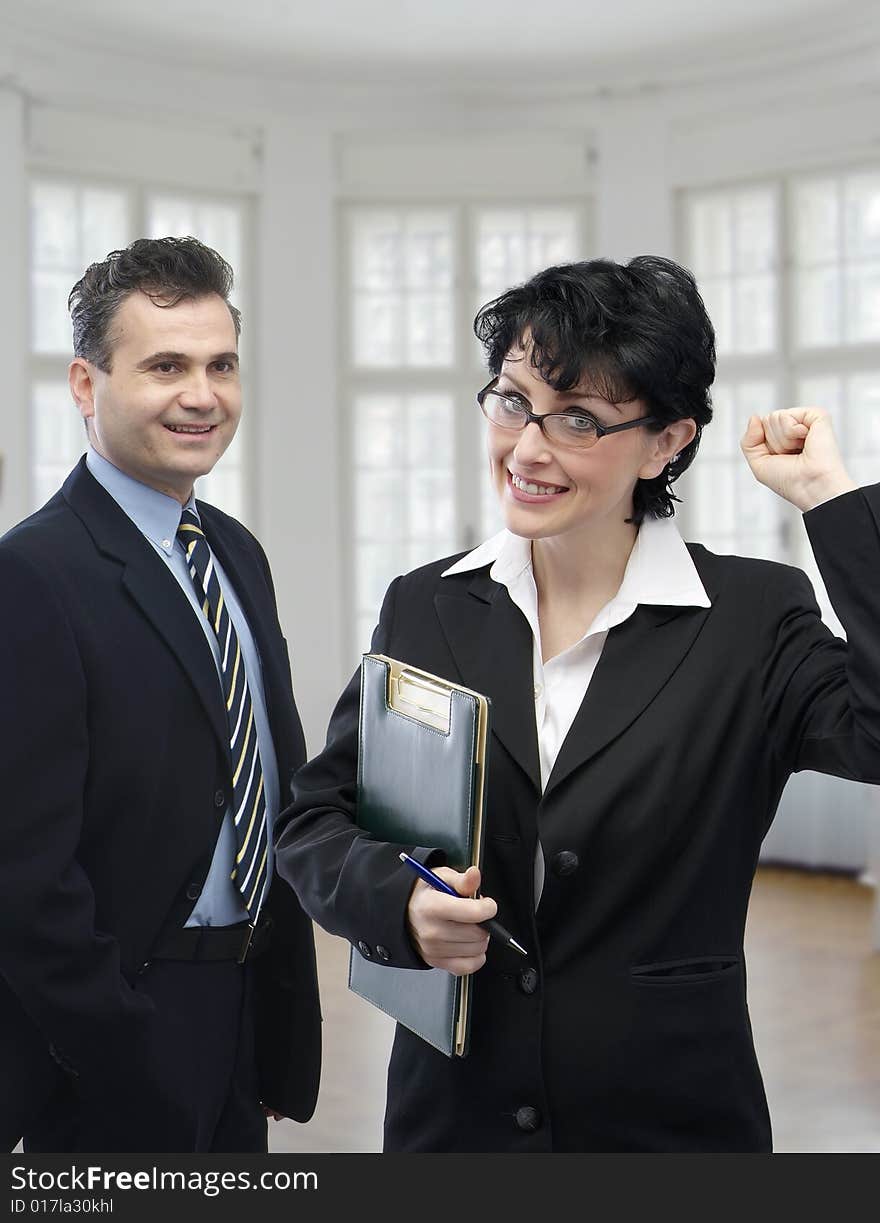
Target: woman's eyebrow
x,y
575,394
510,378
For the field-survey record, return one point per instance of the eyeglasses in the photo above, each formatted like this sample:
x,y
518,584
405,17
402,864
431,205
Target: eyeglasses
x,y
574,428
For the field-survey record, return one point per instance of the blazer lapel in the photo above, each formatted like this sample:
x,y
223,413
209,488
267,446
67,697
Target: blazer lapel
x,y
162,601
155,590
638,658
491,643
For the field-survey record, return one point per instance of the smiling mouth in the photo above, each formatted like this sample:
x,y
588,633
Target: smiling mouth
x,y
197,430
534,489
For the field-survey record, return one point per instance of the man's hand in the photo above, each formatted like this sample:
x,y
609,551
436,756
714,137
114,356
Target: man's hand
x,y
444,930
270,1112
794,452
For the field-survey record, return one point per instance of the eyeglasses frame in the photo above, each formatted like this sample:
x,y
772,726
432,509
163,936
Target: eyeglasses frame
x,y
539,418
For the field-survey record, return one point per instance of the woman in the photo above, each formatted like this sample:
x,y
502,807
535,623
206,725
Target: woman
x,y
650,699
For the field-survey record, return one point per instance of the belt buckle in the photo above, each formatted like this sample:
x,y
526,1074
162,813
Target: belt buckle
x,y
246,942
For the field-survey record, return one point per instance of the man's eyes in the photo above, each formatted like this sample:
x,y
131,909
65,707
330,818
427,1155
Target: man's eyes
x,y
219,367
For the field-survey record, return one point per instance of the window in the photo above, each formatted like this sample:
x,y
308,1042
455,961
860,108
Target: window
x,y
74,224
415,277
404,469
732,240
790,272
836,257
402,288
734,253
834,226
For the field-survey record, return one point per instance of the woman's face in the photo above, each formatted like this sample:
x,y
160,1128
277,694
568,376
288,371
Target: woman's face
x,y
546,489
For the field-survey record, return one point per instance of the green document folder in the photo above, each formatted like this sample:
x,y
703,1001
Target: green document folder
x,y
422,756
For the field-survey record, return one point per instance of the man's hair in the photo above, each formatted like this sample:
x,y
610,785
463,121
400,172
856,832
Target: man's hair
x,y
633,331
167,270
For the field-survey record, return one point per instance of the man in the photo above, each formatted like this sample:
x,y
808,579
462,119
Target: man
x,y
156,993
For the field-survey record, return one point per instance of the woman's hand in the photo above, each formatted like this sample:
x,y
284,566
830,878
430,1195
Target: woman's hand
x,y
794,452
444,930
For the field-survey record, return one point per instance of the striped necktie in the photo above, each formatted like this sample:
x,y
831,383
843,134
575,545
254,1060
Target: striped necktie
x,y
249,801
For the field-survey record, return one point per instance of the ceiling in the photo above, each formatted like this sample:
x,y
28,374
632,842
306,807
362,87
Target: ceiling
x,y
403,39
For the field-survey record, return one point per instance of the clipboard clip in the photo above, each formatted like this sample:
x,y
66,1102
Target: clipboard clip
x,y
418,697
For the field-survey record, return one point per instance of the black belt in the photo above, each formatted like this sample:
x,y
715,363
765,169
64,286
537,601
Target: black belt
x,y
240,942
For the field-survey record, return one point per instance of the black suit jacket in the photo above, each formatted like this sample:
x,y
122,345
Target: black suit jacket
x,y
114,773
628,1030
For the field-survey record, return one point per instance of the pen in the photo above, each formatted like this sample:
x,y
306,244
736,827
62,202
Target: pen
x,y
494,927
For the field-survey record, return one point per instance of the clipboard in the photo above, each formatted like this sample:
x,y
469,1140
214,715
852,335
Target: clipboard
x,y
422,768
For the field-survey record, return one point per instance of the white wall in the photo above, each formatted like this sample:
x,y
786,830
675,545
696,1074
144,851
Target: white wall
x,y
298,477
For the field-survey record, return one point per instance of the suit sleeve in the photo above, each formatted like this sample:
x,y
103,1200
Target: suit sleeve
x,y
64,971
351,884
821,694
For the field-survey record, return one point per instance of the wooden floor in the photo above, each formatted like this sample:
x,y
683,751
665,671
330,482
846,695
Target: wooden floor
x,y
814,996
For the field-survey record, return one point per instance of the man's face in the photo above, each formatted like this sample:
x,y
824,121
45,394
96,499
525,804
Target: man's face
x,y
170,405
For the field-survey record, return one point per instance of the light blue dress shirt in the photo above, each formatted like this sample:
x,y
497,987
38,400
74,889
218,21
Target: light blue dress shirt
x,y
157,517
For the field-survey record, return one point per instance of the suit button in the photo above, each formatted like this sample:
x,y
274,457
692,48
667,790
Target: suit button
x,y
219,798
382,952
528,980
564,863
528,1119
193,892
365,949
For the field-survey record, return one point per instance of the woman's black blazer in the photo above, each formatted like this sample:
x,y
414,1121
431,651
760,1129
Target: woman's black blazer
x,y
628,1029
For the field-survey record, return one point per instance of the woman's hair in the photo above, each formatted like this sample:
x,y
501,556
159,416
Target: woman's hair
x,y
632,331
